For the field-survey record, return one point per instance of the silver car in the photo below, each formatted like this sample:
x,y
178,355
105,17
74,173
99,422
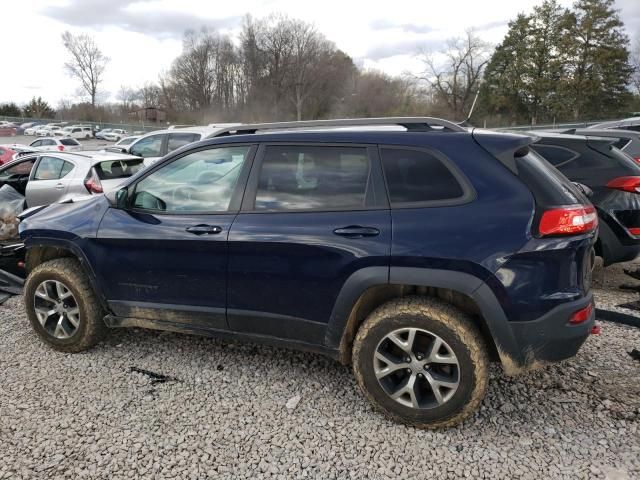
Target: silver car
x,y
49,177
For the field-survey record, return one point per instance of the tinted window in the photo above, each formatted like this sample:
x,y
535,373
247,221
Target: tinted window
x,y
148,147
299,177
117,168
556,156
177,140
22,168
621,143
37,143
416,176
52,168
69,142
198,182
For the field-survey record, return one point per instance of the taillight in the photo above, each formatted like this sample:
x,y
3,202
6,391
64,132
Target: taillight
x,y
92,182
568,220
581,315
626,184
61,148
637,159
634,231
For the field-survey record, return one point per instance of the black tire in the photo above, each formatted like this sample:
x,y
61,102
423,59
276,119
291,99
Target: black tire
x,y
438,318
91,328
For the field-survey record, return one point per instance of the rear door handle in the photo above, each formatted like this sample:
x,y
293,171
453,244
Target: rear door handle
x,y
204,229
356,231
59,186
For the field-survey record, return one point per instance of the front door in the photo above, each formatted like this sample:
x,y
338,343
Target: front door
x,y
164,258
311,218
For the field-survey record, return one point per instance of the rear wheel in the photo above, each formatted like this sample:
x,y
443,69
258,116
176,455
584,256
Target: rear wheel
x,y
62,307
421,361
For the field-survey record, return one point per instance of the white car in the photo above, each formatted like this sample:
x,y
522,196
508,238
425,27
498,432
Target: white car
x,y
114,135
50,131
33,130
78,131
155,145
64,144
127,141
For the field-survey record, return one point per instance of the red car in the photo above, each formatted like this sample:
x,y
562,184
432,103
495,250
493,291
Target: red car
x,y
6,154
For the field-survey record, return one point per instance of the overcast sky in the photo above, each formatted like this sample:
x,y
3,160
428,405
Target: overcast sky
x,y
142,37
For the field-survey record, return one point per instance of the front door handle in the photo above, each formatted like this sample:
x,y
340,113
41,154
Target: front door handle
x,y
356,231
204,229
59,186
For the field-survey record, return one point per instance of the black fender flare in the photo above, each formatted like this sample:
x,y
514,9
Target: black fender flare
x,y
465,283
77,252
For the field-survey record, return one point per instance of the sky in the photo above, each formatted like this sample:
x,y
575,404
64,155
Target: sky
x,y
142,37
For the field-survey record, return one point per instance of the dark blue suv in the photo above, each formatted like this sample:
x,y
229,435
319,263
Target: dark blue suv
x,y
416,253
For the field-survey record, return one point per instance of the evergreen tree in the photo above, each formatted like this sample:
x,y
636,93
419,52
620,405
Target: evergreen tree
x,y
598,60
38,108
10,110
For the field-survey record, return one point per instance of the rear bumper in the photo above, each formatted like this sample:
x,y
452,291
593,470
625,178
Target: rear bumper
x,y
551,338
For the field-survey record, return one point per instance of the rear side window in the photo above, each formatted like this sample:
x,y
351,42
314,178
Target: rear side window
x,y
69,142
556,156
117,168
416,176
621,143
309,177
177,140
148,147
548,185
52,168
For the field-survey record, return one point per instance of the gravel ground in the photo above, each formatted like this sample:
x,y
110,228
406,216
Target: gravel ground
x,y
247,411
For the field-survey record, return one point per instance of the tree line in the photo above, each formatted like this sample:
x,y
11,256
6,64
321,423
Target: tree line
x,y
554,64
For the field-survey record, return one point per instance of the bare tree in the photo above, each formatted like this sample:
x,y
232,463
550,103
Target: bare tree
x,y
87,63
149,95
310,48
127,96
454,73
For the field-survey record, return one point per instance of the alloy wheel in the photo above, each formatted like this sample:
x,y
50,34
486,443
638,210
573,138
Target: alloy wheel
x,y
416,368
57,309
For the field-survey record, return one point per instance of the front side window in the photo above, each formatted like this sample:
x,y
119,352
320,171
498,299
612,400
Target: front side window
x,y
37,143
309,177
148,147
22,168
202,181
415,176
52,168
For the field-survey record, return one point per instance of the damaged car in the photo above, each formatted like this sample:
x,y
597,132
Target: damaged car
x,y
415,254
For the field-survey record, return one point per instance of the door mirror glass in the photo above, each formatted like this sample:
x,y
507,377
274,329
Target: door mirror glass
x,y
118,198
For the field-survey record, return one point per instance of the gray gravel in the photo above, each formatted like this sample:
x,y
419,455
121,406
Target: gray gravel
x,y
247,411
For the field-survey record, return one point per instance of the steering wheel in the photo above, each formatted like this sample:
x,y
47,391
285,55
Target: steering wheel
x,y
181,194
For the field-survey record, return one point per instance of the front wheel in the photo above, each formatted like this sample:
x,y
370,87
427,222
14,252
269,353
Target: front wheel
x,y
62,307
421,361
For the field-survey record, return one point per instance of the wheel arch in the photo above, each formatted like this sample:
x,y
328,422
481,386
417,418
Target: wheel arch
x,y
366,290
51,249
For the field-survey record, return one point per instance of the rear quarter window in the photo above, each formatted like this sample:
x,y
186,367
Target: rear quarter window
x,y
69,142
416,177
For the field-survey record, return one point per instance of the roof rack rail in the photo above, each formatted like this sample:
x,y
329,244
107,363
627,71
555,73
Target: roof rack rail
x,y
412,124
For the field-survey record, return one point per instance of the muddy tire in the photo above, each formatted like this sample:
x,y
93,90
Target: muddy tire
x,y
422,362
62,307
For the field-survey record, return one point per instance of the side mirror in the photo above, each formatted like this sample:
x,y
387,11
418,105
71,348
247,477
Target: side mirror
x,y
118,198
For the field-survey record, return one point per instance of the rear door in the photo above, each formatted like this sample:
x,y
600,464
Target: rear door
x,y
312,216
49,180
